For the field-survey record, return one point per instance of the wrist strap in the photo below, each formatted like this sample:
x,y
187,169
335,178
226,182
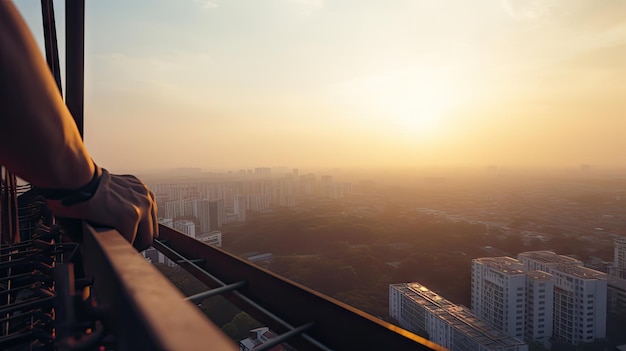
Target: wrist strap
x,y
70,197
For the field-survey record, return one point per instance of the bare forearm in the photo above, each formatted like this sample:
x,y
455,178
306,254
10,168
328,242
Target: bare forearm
x,y
38,137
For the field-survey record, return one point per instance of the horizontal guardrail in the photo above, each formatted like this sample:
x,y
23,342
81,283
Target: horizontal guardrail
x,y
142,309
283,304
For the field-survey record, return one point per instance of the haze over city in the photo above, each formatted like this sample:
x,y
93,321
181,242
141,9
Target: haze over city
x,y
304,83
332,174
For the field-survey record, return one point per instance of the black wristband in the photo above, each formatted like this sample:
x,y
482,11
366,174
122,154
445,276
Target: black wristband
x,y
71,197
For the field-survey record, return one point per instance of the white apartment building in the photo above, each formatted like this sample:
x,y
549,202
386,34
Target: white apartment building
x,y
499,293
539,306
240,206
620,252
178,208
579,304
545,260
213,238
619,258
616,289
580,296
202,211
422,311
186,226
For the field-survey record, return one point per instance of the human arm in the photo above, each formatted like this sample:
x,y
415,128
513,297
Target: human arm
x,y
39,140
31,105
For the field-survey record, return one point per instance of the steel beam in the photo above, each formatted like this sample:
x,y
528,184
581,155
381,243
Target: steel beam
x,y
75,60
143,309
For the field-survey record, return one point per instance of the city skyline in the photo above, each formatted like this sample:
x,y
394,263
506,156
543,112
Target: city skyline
x,y
314,83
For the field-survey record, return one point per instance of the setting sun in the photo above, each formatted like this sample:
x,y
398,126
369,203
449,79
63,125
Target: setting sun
x,y
312,83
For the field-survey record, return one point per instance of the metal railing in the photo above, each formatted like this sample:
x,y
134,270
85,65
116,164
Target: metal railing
x,y
306,318
141,308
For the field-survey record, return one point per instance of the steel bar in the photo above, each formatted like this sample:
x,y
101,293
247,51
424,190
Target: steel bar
x,y
75,60
214,292
19,276
50,41
40,315
196,261
27,305
143,309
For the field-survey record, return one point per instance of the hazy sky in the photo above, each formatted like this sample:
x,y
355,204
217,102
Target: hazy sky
x,y
353,83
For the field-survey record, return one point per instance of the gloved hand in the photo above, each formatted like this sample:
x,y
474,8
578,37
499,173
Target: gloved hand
x,y
121,202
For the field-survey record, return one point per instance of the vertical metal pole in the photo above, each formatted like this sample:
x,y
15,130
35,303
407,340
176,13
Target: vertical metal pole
x,y
50,39
75,59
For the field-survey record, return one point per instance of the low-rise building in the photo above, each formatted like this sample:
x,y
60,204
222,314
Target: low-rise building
x,y
424,312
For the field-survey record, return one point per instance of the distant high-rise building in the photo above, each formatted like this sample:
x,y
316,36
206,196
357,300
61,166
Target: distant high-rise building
x,y
539,306
186,226
263,172
240,206
202,212
546,260
160,200
178,208
210,214
213,238
619,258
287,192
499,293
616,300
420,310
307,184
257,202
326,186
580,296
540,296
217,214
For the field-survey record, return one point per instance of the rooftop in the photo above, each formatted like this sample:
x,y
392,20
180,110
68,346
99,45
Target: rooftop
x,y
506,265
582,272
616,282
539,275
549,258
459,317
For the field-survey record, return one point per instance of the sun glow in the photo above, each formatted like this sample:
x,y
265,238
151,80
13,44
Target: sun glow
x,y
411,102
